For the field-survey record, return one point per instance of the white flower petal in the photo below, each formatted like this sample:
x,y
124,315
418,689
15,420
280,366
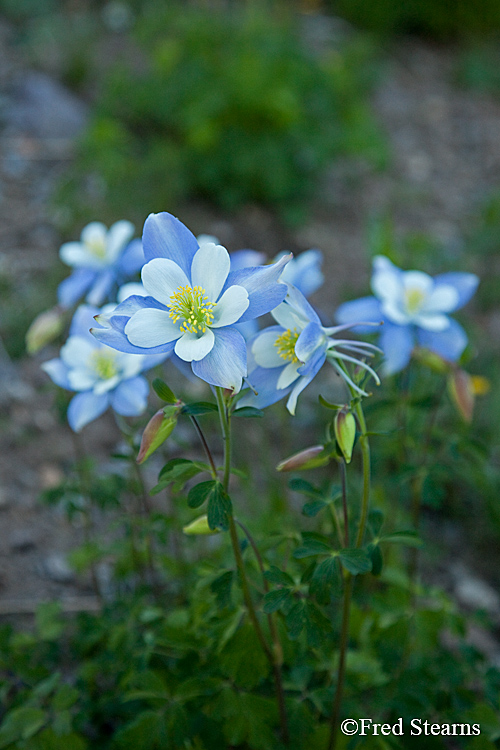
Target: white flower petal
x,y
265,351
103,386
129,365
127,290
288,375
76,254
432,322
82,379
284,316
191,347
230,307
94,233
76,351
386,281
418,280
162,278
210,268
442,299
394,313
118,236
150,327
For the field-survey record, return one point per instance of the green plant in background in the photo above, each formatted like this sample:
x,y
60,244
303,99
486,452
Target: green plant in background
x,y
231,107
438,19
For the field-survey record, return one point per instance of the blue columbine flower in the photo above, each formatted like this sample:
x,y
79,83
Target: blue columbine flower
x,y
101,376
194,301
102,260
414,308
286,357
304,272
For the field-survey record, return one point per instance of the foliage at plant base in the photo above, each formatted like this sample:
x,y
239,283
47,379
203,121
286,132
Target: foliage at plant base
x,y
228,106
438,19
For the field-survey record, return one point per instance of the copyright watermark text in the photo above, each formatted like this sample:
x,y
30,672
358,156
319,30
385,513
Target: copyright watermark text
x,y
416,727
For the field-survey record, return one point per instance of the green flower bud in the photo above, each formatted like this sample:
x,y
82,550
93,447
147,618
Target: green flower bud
x,y
44,329
309,458
345,432
157,430
199,527
432,360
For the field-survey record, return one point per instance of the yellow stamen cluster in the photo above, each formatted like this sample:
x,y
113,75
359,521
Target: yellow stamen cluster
x,y
192,306
413,299
103,362
97,248
285,343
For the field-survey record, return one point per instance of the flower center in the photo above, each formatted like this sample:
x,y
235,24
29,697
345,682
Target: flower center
x,y
104,364
285,343
414,299
97,248
192,306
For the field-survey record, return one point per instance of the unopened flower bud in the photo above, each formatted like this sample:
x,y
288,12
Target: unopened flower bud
x,y
157,430
44,329
309,458
199,527
461,389
345,432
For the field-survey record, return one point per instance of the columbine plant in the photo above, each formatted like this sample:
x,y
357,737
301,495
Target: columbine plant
x,y
286,357
192,301
102,377
414,308
103,259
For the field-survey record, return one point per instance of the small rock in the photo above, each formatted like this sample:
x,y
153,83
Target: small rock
x,y
41,107
474,592
56,567
22,540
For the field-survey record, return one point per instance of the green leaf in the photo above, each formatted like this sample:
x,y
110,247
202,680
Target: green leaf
x,y
295,620
200,492
242,658
355,561
248,411
377,560
142,733
326,581
221,587
313,544
305,488
274,600
410,538
198,408
375,520
178,471
163,391
313,508
275,575
21,724
219,508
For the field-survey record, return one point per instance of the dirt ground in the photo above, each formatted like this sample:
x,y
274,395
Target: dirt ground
x,y
445,145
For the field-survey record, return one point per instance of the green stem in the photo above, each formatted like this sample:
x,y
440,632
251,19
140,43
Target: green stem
x,y
344,638
346,607
343,476
274,656
204,443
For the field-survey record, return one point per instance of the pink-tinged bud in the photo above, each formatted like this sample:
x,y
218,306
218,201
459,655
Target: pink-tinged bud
x,y
199,527
461,389
44,329
310,458
432,360
345,433
157,430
